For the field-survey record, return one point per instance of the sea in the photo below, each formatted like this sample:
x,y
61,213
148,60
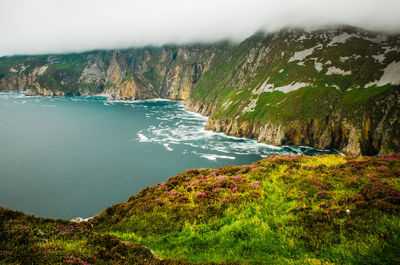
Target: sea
x,y
67,157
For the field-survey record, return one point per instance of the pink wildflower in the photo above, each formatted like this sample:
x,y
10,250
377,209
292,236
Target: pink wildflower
x,y
255,184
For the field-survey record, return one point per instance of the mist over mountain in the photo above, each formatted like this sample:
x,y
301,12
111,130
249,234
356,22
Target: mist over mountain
x,y
45,26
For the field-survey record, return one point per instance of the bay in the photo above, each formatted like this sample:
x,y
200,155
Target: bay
x,y
64,157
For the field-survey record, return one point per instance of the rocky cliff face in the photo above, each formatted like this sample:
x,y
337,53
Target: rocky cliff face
x,y
168,72
336,88
374,131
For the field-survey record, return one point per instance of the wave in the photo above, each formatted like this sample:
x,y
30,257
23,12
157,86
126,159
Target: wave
x,y
173,125
213,157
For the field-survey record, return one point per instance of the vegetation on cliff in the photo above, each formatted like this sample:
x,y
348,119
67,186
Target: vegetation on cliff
x,y
328,89
283,209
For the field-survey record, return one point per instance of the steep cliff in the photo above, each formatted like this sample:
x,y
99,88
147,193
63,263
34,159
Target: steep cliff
x,y
167,72
336,88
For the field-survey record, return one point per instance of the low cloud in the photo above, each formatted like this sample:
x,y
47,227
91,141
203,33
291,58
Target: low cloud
x,y
48,26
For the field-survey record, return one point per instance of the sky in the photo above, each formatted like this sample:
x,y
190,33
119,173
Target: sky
x,y
60,26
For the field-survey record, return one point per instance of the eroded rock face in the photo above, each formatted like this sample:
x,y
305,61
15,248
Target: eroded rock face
x,y
378,134
313,88
92,74
167,72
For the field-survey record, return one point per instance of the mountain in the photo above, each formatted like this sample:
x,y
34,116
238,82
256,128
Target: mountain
x,y
280,210
167,72
336,88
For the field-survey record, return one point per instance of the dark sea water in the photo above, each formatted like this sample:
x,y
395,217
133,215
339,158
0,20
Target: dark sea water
x,y
65,157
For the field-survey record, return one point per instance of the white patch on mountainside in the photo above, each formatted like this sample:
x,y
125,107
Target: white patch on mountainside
x,y
343,59
337,71
379,58
226,104
378,38
342,38
250,107
391,75
319,66
92,73
391,49
292,87
265,87
301,55
303,37
40,70
280,102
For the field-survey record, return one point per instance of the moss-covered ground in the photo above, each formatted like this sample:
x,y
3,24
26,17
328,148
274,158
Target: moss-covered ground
x,y
280,210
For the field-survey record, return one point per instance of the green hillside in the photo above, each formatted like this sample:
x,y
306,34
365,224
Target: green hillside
x,y
280,210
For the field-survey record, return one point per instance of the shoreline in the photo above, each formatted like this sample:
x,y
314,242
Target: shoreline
x,y
185,108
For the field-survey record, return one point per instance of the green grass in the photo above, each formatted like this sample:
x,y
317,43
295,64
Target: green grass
x,y
357,96
333,102
278,210
30,240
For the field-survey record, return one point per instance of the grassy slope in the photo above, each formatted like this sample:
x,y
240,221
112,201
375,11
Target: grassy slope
x,y
26,239
283,209
278,210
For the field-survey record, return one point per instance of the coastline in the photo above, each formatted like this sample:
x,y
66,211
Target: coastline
x,y
192,108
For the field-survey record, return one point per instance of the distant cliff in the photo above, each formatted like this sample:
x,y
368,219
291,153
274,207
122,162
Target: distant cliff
x,y
337,88
167,72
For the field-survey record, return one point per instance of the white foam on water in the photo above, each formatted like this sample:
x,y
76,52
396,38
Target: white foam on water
x,y
120,101
173,125
167,147
213,157
142,138
180,127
